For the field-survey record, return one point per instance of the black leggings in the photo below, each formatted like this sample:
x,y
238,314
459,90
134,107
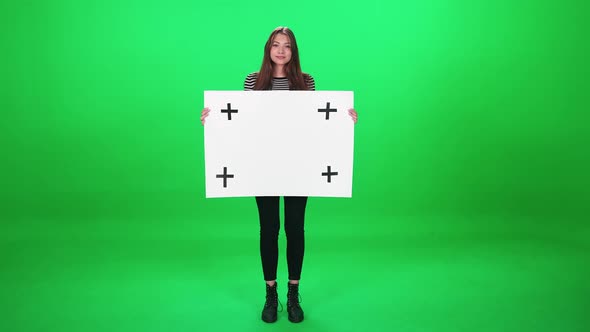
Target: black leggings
x,y
268,210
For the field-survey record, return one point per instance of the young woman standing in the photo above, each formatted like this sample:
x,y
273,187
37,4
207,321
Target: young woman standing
x,y
281,70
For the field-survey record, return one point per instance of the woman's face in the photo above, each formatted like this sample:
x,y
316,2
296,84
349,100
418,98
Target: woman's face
x,y
280,51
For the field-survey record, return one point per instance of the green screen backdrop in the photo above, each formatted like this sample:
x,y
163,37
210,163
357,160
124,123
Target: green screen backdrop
x,y
471,173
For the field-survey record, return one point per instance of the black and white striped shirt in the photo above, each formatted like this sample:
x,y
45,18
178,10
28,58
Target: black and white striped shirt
x,y
278,83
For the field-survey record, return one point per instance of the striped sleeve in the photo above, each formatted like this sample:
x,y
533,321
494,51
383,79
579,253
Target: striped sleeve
x,y
310,82
250,81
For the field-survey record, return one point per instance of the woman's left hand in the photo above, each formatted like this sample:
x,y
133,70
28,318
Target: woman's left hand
x,y
353,115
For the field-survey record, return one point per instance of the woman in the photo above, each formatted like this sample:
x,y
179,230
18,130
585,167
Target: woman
x,y
281,70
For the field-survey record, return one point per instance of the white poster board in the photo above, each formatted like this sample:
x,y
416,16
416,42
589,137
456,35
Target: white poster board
x,y
279,143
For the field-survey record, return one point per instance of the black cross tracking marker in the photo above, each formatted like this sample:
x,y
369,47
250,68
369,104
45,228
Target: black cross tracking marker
x,y
229,111
328,110
329,174
224,176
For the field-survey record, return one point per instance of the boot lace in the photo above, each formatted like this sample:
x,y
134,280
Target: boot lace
x,y
272,299
293,301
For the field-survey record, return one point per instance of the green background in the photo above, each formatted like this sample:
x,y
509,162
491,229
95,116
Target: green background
x,y
471,187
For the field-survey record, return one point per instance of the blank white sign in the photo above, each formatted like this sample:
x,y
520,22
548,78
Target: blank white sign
x,y
279,143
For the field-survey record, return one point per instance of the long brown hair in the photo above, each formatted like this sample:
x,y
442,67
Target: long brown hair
x,y
292,68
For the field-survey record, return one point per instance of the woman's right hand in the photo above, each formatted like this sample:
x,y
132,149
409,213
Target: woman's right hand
x,y
204,114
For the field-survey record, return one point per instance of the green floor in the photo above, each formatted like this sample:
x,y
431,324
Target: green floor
x,y
419,274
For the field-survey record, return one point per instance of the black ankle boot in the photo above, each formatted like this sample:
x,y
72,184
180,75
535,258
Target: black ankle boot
x,y
293,307
269,312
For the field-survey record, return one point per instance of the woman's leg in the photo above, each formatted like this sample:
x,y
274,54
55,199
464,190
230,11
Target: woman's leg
x,y
294,228
268,211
